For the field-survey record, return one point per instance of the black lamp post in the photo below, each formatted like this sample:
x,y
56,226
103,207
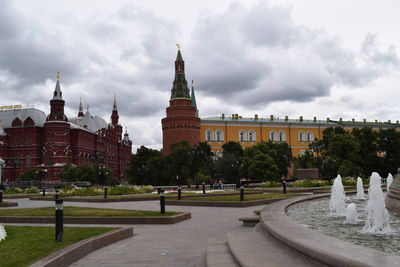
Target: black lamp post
x,y
105,191
162,201
179,192
204,187
241,193
59,220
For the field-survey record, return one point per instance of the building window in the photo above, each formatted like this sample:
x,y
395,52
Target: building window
x,y
272,136
281,136
252,136
209,135
242,136
310,136
219,135
28,161
301,136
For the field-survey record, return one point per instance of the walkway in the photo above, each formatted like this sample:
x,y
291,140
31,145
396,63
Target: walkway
x,y
181,244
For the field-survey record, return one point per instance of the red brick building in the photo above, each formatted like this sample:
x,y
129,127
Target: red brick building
x,y
30,139
182,121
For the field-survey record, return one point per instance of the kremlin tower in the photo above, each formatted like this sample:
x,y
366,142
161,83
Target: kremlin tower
x,y
182,122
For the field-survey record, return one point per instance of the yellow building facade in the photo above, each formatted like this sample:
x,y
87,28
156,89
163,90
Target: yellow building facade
x,y
298,133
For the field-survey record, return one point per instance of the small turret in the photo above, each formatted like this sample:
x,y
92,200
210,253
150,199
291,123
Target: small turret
x,y
114,114
180,88
126,138
57,104
80,112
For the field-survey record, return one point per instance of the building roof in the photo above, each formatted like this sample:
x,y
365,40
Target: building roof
x,y
324,123
8,115
92,123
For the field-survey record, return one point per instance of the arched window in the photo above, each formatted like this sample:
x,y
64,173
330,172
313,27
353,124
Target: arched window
x,y
219,135
281,136
209,135
310,137
28,161
272,136
242,136
301,136
252,136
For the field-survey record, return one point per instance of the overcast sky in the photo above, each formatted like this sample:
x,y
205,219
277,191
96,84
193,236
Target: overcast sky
x,y
332,58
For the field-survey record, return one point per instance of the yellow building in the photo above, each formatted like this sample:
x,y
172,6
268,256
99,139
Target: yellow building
x,y
298,133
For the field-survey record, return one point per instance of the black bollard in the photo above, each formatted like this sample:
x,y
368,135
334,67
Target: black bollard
x,y
179,193
57,196
59,220
241,193
1,196
105,192
44,191
284,186
162,201
204,188
158,190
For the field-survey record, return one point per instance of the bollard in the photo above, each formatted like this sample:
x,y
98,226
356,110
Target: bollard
x,y
105,192
1,196
179,192
158,190
59,220
162,201
284,186
44,191
57,196
241,193
204,188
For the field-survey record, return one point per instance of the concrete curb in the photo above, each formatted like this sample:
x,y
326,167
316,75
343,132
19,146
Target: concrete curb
x,y
99,220
325,249
233,204
70,254
8,204
130,199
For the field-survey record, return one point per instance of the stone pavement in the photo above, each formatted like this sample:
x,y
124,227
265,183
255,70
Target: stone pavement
x,y
181,244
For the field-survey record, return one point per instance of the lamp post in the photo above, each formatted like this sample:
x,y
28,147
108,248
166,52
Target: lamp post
x,y
179,192
284,185
2,163
204,187
241,193
59,220
162,201
105,191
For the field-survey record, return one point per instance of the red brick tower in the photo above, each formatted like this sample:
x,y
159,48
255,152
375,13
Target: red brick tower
x,y
182,121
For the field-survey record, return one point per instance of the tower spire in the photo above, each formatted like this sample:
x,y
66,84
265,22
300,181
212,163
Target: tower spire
x,y
193,96
115,102
80,112
57,91
57,104
180,88
114,114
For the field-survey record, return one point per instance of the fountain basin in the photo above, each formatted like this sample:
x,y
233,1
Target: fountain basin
x,y
316,246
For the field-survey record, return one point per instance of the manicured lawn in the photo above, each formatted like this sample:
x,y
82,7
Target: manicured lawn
x,y
246,197
25,245
83,212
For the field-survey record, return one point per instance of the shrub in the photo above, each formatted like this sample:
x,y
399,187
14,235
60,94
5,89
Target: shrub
x,y
310,183
270,184
349,181
13,190
32,190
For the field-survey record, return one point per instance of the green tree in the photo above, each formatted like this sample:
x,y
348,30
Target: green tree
x,y
202,162
30,175
282,157
389,150
180,160
140,166
233,148
69,173
87,173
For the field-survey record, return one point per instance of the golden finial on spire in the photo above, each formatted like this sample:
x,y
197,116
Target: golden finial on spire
x,y
58,75
179,46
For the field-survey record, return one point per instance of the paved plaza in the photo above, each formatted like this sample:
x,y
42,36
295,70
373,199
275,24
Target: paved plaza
x,y
181,244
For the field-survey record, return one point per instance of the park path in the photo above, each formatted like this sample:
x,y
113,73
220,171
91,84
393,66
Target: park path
x,y
181,244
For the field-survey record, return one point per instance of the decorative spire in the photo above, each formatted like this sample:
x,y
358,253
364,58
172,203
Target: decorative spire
x,y
87,108
180,88
193,96
126,136
57,91
115,102
80,112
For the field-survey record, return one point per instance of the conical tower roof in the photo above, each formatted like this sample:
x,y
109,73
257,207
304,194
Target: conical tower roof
x,y
179,87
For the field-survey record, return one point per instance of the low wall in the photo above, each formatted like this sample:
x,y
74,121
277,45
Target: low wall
x,y
99,220
70,254
325,249
233,204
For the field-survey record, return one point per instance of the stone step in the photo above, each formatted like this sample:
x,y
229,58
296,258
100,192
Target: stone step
x,y
250,220
218,253
259,249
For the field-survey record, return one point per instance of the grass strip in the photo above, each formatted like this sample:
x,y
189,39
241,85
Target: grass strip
x,y
83,212
25,245
246,197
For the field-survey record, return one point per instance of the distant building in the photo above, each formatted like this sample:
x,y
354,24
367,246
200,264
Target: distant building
x,y
30,139
182,123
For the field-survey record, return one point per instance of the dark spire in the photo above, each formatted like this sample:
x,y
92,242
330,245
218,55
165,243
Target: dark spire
x,y
114,114
57,91
180,88
57,104
193,96
80,112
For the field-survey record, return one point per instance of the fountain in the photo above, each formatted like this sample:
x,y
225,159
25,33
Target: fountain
x,y
378,217
360,189
351,214
389,181
337,202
